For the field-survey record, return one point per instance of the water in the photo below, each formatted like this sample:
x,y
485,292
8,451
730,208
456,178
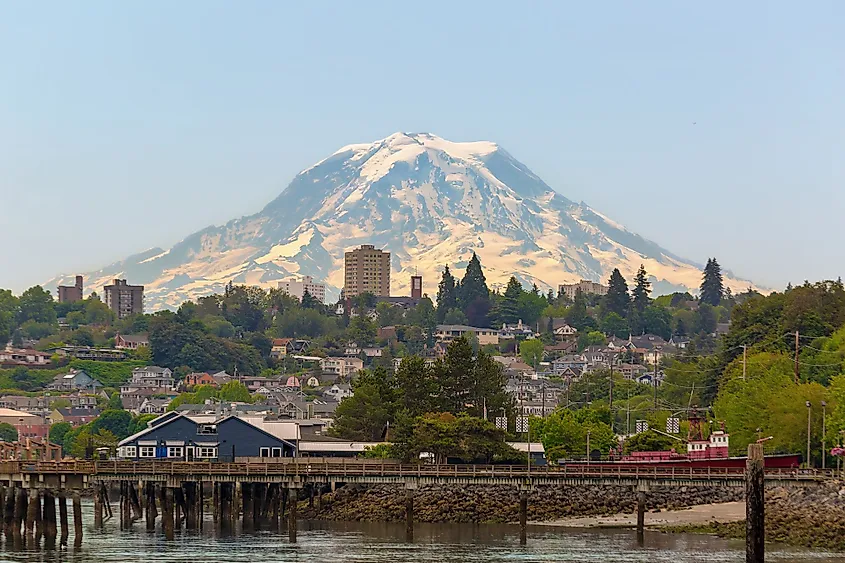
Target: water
x,y
339,542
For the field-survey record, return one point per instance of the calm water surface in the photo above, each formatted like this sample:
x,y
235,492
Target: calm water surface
x,y
333,542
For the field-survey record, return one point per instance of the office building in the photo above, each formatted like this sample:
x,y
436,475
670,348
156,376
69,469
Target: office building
x,y
366,270
586,287
124,299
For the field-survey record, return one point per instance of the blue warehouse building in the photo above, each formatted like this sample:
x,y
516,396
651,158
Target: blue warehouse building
x,y
180,437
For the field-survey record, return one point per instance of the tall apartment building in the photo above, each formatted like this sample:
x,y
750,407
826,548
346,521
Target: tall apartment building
x,y
296,287
71,293
586,287
124,299
366,269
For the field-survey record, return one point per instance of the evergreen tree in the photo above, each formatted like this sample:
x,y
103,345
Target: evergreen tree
x,y
712,286
509,306
447,295
474,294
617,298
550,297
642,289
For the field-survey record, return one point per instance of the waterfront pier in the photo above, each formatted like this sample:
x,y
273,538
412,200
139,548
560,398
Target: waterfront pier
x,y
266,494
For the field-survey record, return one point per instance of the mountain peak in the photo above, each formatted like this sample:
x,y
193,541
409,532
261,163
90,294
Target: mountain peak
x,y
427,200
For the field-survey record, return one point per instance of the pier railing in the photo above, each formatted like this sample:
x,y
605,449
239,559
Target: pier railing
x,y
340,468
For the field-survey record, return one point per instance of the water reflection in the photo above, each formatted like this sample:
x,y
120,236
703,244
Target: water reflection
x,y
339,542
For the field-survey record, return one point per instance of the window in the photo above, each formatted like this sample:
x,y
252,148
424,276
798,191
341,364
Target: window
x,y
205,452
174,451
263,452
147,451
207,429
129,451
277,452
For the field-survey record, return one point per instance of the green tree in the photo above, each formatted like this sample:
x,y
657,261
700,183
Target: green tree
x,y
234,392
447,295
642,290
365,415
117,422
388,315
614,325
531,352
508,309
58,431
712,286
8,315
35,304
658,320
362,330
617,299
455,317
114,402
8,433
417,386
474,294
649,442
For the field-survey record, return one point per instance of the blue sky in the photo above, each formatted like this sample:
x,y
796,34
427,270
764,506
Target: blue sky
x,y
715,129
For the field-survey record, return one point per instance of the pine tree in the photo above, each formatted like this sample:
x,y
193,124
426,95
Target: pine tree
x,y
447,295
474,294
642,289
509,306
712,286
617,298
550,297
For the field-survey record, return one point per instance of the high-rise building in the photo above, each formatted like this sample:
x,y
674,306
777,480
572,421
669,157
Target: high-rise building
x,y
586,287
124,299
366,270
416,287
296,287
71,293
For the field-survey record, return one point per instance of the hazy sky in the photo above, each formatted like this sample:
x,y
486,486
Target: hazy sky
x,y
715,129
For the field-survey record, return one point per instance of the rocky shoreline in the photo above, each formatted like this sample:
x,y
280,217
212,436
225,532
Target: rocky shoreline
x,y
807,517
500,504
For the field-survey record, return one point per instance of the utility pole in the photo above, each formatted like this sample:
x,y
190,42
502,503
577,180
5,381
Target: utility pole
x,y
611,388
654,380
744,360
796,356
824,432
809,412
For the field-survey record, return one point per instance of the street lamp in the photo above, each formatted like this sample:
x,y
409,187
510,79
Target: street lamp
x,y
809,412
824,431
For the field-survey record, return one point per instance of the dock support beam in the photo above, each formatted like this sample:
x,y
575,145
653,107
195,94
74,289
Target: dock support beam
x,y
20,511
755,525
31,508
49,519
292,515
77,519
63,517
249,504
215,501
409,515
98,507
9,510
523,517
166,499
640,516
150,505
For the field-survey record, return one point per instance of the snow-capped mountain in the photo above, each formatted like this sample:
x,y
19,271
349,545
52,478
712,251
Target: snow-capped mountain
x,y
430,202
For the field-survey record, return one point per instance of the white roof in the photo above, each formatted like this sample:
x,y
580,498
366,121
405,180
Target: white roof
x,y
282,429
357,447
536,447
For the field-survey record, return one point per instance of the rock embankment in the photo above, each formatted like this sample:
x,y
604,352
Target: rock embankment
x,y
499,504
803,516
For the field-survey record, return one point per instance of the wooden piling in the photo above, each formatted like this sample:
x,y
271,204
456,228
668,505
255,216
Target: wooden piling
x,y
134,501
31,508
409,515
180,507
77,519
98,507
49,515
215,501
292,517
20,511
755,526
274,499
167,512
640,516
523,517
63,517
104,491
200,507
39,516
150,505
9,510
2,508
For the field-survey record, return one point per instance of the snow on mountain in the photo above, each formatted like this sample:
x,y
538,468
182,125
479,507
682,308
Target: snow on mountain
x,y
430,202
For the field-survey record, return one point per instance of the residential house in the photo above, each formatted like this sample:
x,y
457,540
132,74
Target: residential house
x,y
74,380
651,348
27,424
354,350
279,348
566,333
517,330
344,367
153,377
561,348
13,357
222,378
338,392
679,342
131,341
574,361
632,371
75,416
200,378
154,406
448,333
